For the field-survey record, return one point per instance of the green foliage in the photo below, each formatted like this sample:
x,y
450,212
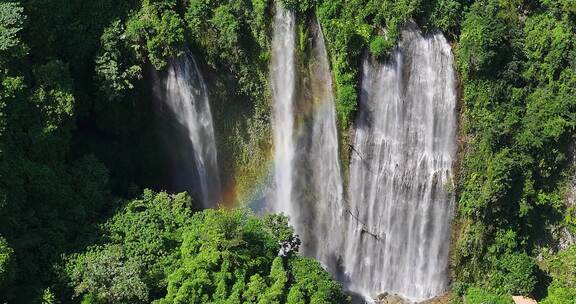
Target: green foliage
x,y
156,32
5,256
155,243
233,37
231,257
108,276
53,95
312,284
11,23
560,294
517,67
51,192
446,14
570,219
475,295
116,72
220,251
379,46
48,297
59,203
142,242
301,6
48,200
279,280
515,274
11,88
562,268
482,43
226,25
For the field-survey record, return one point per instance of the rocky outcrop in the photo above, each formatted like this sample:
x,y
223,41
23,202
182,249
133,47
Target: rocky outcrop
x,y
442,299
386,298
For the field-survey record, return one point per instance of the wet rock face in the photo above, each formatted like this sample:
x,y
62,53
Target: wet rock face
x,y
443,299
386,298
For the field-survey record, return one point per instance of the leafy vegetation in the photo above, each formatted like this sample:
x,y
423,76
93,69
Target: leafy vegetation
x,y
156,250
475,295
78,143
232,257
517,64
562,268
233,38
140,243
352,26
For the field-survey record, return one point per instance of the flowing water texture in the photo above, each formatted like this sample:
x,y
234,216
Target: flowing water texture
x,y
400,202
283,81
184,92
308,183
322,230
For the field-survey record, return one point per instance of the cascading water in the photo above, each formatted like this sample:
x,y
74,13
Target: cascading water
x,y
392,235
324,208
307,170
282,78
183,90
400,204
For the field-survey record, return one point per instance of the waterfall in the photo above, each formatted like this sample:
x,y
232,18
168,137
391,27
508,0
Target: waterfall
x,y
392,233
324,216
400,200
307,170
283,81
182,89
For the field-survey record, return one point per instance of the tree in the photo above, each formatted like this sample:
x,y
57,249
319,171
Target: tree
x,y
106,275
115,67
5,256
140,245
476,295
11,23
231,256
562,268
156,32
313,283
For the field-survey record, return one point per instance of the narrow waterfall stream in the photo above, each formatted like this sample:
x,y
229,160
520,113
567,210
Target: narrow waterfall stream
x,y
307,170
324,210
401,172
182,89
283,81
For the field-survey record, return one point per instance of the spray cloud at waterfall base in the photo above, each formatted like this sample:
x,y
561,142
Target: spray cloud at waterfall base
x,y
391,233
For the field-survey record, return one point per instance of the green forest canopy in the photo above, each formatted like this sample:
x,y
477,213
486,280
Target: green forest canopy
x,y
74,120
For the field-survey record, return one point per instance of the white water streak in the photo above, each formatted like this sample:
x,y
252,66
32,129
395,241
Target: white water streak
x,y
186,95
307,169
326,224
282,78
401,172
394,233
